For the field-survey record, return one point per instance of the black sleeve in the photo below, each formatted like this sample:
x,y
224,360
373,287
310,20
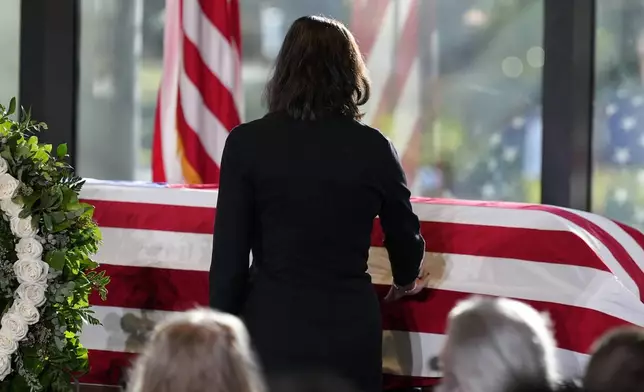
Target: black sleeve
x,y
403,240
229,268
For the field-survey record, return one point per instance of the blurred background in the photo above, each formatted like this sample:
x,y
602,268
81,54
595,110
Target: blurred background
x,y
457,86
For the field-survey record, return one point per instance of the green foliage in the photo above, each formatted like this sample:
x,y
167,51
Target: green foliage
x,y
51,356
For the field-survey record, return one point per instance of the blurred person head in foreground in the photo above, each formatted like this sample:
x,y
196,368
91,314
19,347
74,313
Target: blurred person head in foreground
x,y
617,362
319,72
200,350
494,344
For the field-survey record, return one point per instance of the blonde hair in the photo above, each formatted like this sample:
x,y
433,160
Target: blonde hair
x,y
495,343
200,350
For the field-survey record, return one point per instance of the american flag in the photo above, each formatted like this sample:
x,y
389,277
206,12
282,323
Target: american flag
x,y
387,33
512,157
619,129
200,99
510,161
585,270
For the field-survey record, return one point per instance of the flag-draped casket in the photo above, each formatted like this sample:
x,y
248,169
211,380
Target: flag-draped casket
x,y
584,270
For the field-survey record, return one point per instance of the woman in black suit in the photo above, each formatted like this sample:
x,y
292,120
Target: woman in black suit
x,y
300,188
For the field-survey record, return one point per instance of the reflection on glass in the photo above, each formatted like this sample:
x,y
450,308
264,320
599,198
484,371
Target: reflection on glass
x,y
618,178
10,50
121,49
456,85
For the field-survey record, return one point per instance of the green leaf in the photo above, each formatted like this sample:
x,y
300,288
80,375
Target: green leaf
x,y
88,210
73,214
61,150
45,200
91,264
70,200
22,151
54,202
29,351
12,106
41,155
60,343
96,232
5,126
32,363
46,379
49,225
27,117
56,259
18,384
19,174
58,217
30,200
33,140
6,154
62,226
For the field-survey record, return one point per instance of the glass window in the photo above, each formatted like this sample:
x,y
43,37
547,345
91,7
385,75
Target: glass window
x,y
121,53
618,176
456,85
10,49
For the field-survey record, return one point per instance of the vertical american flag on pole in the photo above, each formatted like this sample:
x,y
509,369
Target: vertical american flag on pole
x,y
200,99
387,32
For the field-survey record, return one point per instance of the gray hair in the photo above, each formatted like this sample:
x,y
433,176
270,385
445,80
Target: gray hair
x,y
496,343
200,350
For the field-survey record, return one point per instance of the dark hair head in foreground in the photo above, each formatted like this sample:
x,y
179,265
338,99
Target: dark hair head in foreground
x,y
617,362
319,72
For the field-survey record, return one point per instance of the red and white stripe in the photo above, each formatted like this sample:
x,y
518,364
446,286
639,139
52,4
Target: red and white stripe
x,y
200,99
387,32
586,271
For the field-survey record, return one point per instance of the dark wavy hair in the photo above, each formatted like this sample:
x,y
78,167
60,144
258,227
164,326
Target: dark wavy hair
x,y
617,362
319,71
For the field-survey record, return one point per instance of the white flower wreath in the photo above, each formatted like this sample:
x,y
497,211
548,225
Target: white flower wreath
x,y
48,238
31,272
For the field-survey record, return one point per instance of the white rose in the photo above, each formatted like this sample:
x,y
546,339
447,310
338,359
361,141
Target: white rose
x,y
8,346
14,326
29,248
10,208
5,366
26,310
23,227
33,293
4,166
31,271
8,186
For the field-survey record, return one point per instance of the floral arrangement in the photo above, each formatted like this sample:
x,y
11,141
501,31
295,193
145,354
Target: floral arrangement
x,y
47,239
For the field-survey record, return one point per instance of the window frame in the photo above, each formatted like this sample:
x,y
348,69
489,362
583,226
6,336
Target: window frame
x,y
49,67
567,101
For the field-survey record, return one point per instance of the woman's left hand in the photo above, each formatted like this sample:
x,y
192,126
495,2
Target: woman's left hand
x,y
398,292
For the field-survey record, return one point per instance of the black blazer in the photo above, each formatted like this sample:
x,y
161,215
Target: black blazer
x,y
302,196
